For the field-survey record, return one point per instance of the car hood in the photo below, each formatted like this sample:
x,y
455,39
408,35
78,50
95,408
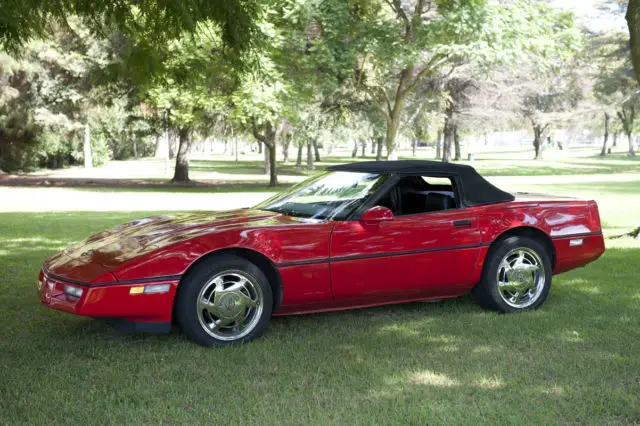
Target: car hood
x,y
96,259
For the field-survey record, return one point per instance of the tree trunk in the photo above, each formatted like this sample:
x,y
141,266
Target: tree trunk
x,y
538,140
299,159
316,151
447,141
268,138
392,138
310,165
267,162
235,143
627,117
135,147
414,146
615,139
439,145
273,171
633,22
456,143
158,150
606,135
172,142
373,146
631,152
88,161
354,152
285,148
393,120
182,158
379,148
364,148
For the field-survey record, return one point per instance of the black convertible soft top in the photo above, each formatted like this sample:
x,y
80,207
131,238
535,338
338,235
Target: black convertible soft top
x,y
474,189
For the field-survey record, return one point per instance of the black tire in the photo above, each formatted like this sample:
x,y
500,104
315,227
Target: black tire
x,y
188,295
487,293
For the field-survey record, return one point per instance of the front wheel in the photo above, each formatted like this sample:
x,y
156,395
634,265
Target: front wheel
x,y
516,275
222,301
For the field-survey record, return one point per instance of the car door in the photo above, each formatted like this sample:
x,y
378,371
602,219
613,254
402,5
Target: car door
x,y
407,257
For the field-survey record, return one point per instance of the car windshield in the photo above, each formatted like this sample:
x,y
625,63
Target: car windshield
x,y
332,195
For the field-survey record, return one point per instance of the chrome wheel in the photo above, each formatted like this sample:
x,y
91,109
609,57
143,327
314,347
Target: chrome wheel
x,y
521,277
230,305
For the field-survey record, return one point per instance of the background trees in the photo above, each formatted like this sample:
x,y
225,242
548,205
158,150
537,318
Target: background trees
x,y
81,85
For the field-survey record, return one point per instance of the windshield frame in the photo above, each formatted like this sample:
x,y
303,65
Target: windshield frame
x,y
342,212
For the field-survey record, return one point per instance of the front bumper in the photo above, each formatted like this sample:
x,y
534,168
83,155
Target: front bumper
x,y
110,301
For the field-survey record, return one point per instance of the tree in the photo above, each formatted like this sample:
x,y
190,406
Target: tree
x,y
54,85
616,87
151,22
607,118
189,101
633,22
392,36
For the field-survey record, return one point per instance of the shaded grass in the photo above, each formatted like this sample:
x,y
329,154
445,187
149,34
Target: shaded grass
x,y
574,361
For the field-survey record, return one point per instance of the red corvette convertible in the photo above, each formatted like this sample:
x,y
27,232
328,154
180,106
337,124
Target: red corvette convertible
x,y
359,235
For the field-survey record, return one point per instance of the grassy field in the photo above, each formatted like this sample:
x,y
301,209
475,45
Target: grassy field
x,y
575,361
219,168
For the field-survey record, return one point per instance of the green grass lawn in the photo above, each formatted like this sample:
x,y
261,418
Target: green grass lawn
x,y
575,361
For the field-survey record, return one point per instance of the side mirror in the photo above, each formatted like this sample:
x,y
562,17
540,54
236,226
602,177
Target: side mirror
x,y
376,214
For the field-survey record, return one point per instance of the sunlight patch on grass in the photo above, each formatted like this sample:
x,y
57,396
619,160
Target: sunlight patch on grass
x,y
553,390
595,290
449,348
482,349
431,378
572,336
489,383
400,328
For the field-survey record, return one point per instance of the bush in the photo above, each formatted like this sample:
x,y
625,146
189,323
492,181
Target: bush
x,y
18,140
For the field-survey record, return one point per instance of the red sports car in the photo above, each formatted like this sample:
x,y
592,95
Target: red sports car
x,y
358,235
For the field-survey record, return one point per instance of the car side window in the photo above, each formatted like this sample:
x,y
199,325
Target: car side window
x,y
416,194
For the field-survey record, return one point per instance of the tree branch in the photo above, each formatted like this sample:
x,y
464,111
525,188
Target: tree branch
x,y
385,114
387,99
396,6
544,129
431,65
369,90
256,133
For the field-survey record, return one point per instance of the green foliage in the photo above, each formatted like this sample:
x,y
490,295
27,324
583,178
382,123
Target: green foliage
x,y
196,81
18,140
333,70
57,85
151,22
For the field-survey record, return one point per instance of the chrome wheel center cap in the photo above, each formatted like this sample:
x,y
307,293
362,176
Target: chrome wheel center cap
x,y
230,306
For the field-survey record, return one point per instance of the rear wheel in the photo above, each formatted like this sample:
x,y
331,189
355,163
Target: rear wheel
x,y
227,300
516,275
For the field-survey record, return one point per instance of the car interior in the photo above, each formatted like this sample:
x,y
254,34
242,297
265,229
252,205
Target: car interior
x,y
420,194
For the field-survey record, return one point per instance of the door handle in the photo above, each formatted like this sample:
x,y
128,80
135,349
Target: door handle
x,y
462,223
